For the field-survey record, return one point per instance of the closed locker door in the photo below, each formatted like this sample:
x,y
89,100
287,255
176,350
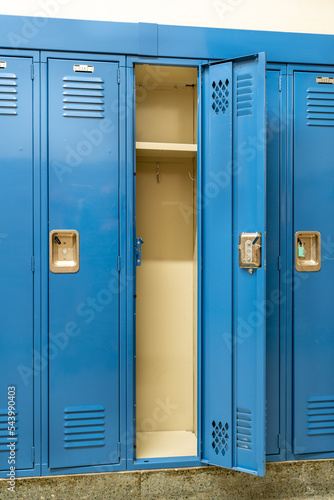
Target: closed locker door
x,y
16,251
83,277
313,338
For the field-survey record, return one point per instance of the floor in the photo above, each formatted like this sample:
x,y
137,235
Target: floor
x,y
297,480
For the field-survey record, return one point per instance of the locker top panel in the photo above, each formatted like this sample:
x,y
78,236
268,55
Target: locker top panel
x,y
174,41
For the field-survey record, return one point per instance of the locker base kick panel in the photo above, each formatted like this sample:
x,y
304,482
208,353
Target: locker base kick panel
x,y
166,444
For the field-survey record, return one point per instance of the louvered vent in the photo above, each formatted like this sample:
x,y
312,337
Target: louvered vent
x,y
320,415
83,97
84,426
5,437
320,106
8,94
244,95
220,438
244,429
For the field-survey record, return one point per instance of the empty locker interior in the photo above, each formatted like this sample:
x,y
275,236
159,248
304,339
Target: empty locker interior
x,y
166,303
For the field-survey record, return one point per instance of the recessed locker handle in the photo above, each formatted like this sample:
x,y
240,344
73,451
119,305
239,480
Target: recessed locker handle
x,y
308,251
64,251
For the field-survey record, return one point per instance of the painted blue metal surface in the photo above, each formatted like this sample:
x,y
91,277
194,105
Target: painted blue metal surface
x,y
84,307
130,270
213,43
234,345
63,34
274,127
216,205
16,252
153,40
313,341
249,311
312,146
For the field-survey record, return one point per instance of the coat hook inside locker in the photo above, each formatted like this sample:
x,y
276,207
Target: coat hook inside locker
x,y
158,172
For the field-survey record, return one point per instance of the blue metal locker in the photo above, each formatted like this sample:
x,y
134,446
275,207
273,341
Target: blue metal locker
x,y
313,339
84,302
73,385
16,252
234,113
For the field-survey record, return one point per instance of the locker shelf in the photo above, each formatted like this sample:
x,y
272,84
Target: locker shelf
x,y
166,149
166,444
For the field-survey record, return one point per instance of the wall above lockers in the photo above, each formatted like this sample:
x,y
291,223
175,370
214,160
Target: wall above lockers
x,y
304,16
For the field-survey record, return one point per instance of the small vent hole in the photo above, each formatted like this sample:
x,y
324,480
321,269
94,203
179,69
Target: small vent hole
x,y
219,97
220,438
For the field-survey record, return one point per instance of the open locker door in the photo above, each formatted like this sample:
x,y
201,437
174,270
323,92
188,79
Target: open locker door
x,y
234,316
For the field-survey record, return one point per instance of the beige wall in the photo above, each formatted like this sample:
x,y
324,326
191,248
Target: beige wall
x,y
309,16
165,303
166,281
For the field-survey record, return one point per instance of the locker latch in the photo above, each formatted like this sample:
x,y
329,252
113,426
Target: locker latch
x,y
139,243
250,251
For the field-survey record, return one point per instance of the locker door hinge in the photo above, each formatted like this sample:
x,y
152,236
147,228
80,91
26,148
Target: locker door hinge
x,y
280,83
119,450
32,72
201,79
279,441
119,263
279,262
33,455
139,243
33,266
118,76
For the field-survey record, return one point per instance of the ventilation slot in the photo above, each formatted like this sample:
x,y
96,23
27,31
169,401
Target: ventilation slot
x,y
5,437
8,94
220,96
320,107
220,438
84,426
244,95
320,415
83,97
244,429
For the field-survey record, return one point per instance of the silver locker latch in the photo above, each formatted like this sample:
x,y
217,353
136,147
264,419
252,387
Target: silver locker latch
x,y
250,251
